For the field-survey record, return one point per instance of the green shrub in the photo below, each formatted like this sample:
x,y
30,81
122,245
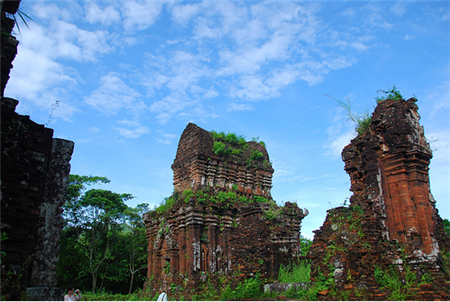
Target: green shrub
x,y
231,138
256,155
166,205
221,149
390,279
187,195
261,199
251,288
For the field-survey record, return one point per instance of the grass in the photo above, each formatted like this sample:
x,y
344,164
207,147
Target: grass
x,y
363,120
295,272
105,296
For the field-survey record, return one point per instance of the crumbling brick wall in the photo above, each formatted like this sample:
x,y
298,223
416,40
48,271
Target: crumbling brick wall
x,y
222,224
196,165
392,219
34,171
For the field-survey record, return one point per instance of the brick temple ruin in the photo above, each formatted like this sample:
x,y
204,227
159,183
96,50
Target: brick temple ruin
x,y
392,221
218,227
34,172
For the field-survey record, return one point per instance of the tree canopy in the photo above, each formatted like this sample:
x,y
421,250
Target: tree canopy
x,y
103,244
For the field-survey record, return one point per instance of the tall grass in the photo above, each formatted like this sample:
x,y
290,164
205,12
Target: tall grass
x,y
295,272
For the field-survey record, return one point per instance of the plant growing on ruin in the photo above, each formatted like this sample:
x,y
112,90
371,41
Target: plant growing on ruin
x,y
166,205
362,121
187,195
221,149
23,16
295,272
236,143
392,94
256,155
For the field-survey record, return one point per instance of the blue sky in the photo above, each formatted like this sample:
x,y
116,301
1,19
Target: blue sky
x,y
128,76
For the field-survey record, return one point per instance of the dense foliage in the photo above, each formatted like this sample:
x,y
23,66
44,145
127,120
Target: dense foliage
x,y
103,244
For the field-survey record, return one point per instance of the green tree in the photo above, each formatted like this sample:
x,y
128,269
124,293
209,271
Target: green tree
x,y
76,188
102,213
446,224
305,245
137,245
72,265
103,244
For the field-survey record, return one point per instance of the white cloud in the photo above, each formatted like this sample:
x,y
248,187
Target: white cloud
x,y
253,88
182,14
336,145
165,138
106,16
139,15
94,130
399,8
340,132
34,81
169,106
34,73
133,129
202,30
239,107
245,51
114,95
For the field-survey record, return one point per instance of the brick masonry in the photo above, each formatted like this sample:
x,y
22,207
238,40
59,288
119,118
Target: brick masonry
x,y
196,165
392,219
199,240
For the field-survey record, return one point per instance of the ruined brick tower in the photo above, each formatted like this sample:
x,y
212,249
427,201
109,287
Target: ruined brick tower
x,y
196,165
34,173
221,220
392,221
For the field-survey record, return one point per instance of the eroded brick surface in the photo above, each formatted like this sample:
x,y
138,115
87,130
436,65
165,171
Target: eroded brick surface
x,y
392,220
196,166
205,236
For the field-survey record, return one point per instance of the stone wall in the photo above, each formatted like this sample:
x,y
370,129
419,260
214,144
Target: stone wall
x,y
392,220
34,171
223,223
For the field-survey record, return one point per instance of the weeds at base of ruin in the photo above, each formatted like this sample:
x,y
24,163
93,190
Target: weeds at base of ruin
x,y
295,272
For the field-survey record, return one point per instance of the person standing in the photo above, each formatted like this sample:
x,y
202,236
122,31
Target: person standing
x,y
72,294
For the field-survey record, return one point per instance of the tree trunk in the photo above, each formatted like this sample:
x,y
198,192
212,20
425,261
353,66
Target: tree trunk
x,y
94,282
131,283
